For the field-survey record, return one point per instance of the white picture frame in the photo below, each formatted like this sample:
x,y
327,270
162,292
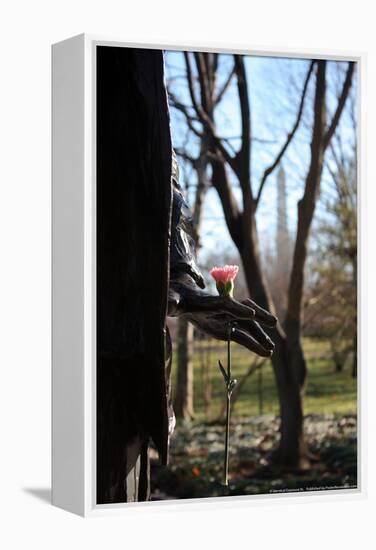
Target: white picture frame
x,y
74,284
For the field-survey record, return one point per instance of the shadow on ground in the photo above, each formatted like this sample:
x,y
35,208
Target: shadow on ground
x,y
41,493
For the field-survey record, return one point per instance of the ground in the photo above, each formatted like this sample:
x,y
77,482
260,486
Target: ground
x,y
196,456
196,459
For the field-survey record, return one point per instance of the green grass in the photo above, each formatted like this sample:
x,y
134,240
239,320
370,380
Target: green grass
x,y
326,391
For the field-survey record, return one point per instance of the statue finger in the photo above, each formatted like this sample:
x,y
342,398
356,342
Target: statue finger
x,y
260,335
238,310
219,305
262,315
248,341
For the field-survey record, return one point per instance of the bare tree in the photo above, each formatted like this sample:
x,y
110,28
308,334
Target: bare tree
x,y
288,359
331,297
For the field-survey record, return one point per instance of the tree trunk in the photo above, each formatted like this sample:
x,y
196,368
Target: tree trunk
x,y
183,404
338,364
354,370
292,449
285,365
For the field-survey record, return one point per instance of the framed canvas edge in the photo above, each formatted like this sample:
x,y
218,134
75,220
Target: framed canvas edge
x,y
90,506
67,306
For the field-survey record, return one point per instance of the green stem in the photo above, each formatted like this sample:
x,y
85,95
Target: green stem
x,y
228,405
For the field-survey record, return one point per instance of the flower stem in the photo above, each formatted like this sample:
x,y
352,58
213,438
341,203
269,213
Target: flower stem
x,y
228,406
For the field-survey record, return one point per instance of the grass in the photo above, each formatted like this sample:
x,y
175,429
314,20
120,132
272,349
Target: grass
x,y
326,391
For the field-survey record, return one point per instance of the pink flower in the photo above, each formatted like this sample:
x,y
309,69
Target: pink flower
x,y
224,278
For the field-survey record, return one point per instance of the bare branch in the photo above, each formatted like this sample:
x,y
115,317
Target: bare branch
x,y
174,102
191,84
225,86
203,77
245,111
215,156
205,118
229,144
340,105
289,138
221,183
184,155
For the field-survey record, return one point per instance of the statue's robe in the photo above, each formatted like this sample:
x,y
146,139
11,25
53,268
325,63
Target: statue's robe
x,y
133,212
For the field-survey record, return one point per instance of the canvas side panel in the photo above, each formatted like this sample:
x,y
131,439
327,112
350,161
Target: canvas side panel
x,y
68,274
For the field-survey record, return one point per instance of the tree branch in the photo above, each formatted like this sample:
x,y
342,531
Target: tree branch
x,y
203,78
190,83
230,207
185,156
184,109
205,119
225,86
245,111
289,138
340,105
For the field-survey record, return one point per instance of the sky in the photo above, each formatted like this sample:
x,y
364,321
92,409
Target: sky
x,y
274,87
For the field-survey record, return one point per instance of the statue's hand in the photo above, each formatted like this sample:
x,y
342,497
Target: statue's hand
x,y
211,314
